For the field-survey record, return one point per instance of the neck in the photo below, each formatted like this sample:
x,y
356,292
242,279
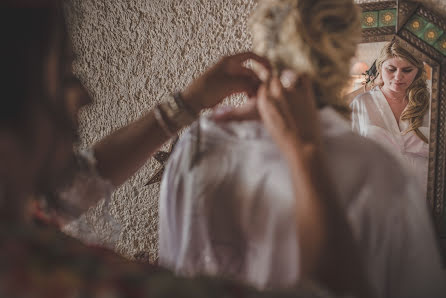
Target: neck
x,y
393,95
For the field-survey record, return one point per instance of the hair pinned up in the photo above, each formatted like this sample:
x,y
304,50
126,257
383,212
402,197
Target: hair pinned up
x,y
316,37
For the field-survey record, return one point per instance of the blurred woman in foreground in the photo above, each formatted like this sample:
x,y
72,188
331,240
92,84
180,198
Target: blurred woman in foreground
x,y
38,124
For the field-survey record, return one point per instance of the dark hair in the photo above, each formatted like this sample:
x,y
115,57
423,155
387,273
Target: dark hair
x,y
32,31
371,73
28,30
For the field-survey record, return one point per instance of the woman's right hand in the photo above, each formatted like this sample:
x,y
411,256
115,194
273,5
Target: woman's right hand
x,y
290,114
228,76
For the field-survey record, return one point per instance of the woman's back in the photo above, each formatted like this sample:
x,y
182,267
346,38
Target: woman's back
x,y
232,211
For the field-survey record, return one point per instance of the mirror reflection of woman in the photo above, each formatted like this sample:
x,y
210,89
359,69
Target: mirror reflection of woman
x,y
395,112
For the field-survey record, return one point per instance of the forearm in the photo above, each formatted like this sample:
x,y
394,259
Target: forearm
x,y
310,209
327,250
123,152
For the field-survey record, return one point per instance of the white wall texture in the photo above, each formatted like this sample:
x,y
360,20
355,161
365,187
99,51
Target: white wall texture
x,y
130,53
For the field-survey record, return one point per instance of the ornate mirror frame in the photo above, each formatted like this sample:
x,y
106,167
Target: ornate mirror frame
x,y
423,33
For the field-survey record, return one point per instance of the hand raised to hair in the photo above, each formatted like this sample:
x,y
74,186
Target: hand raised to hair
x,y
228,76
249,110
290,114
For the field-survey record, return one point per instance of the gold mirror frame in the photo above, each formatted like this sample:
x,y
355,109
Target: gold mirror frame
x,y
406,13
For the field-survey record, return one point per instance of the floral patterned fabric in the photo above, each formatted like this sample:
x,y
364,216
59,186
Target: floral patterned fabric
x,y
66,207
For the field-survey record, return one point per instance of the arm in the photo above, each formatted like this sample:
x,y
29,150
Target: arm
x,y
122,153
327,252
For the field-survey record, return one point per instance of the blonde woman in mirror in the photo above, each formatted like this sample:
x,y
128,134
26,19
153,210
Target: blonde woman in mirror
x,y
395,112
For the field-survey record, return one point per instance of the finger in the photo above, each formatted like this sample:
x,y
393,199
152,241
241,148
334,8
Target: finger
x,y
247,84
269,103
263,73
245,80
271,117
254,86
243,72
275,88
289,79
305,85
242,57
262,92
281,98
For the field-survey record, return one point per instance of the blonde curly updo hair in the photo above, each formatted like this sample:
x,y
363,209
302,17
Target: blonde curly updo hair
x,y
417,93
315,37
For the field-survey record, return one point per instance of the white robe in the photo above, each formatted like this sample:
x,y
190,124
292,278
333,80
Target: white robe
x,y
232,211
373,118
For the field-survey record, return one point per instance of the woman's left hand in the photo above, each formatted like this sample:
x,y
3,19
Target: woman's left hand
x,y
228,76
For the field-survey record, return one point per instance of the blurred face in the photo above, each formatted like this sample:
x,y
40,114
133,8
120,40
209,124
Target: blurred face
x,y
36,150
74,94
398,74
68,96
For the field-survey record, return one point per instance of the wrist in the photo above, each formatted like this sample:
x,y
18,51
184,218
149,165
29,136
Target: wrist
x,y
194,101
302,153
173,113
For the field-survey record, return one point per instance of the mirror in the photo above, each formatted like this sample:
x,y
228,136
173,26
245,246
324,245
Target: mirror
x,y
374,115
423,33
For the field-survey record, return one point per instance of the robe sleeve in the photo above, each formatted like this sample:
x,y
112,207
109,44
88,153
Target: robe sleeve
x,y
355,107
85,190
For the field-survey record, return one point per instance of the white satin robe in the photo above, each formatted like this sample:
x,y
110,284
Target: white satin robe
x,y
231,212
373,118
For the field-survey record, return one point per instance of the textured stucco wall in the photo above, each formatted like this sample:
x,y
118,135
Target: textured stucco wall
x,y
131,52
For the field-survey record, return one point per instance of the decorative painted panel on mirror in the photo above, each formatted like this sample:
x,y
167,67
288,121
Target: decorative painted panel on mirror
x,y
378,21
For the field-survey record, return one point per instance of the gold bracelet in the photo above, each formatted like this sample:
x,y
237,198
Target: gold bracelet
x,y
160,119
173,113
177,113
183,105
